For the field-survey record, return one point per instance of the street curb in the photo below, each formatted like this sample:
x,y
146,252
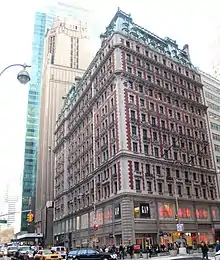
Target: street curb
x,y
187,258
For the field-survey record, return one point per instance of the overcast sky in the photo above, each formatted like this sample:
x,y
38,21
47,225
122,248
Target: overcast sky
x,y
194,22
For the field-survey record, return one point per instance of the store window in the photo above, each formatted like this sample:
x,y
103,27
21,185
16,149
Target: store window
x,y
186,212
117,211
166,210
206,237
141,210
215,213
108,215
202,213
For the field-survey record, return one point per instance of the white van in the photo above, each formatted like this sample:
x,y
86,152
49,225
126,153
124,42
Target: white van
x,y
59,250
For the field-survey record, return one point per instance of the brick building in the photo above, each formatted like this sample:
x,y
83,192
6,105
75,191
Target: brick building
x,y
132,149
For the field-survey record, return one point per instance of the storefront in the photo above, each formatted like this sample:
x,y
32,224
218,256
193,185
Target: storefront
x,y
189,238
206,238
145,240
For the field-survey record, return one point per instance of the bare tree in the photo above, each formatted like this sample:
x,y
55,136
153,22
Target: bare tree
x,y
6,235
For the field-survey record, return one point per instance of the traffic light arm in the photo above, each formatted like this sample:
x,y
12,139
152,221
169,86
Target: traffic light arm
x,y
12,213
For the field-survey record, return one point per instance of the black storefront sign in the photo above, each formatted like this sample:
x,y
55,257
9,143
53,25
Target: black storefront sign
x,y
111,235
144,210
117,211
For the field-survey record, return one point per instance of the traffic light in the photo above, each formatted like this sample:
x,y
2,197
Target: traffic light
x,y
176,217
30,217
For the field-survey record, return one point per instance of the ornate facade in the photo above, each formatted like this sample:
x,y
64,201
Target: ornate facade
x,y
132,148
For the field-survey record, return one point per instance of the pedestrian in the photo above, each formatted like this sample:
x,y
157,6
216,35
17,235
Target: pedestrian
x,y
122,251
205,250
217,246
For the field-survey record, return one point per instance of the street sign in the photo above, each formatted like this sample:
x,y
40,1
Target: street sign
x,y
3,221
179,227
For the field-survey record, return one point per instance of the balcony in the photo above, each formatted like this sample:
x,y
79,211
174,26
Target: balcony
x,y
176,147
137,173
104,146
146,140
115,175
112,140
169,178
188,181
156,142
134,137
149,176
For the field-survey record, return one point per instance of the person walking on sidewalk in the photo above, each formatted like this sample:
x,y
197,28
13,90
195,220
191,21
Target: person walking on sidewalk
x,y
217,246
205,251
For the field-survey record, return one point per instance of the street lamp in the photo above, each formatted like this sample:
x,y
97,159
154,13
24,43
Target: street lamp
x,y
23,76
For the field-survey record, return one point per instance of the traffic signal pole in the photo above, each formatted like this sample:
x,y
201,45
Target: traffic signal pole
x,y
15,212
177,205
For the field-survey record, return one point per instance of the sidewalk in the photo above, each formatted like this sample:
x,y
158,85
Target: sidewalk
x,y
196,256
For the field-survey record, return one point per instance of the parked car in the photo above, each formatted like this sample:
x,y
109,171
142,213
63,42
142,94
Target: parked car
x,y
47,255
11,250
89,253
23,249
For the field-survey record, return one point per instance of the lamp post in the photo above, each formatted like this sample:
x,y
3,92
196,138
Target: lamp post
x,y
23,76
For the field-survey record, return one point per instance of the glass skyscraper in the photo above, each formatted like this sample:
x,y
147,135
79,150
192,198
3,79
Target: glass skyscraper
x,y
43,21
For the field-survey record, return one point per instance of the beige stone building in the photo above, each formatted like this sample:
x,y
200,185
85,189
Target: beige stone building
x,y
67,55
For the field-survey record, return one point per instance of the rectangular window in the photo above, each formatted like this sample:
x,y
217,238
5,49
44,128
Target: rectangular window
x,y
156,152
160,187
143,117
134,130
129,69
141,89
131,98
136,166
140,74
135,147
170,189
145,134
138,185
132,114
158,170
149,186
146,149
128,57
142,103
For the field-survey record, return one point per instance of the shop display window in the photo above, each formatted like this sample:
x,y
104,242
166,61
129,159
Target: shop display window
x,y
166,210
202,213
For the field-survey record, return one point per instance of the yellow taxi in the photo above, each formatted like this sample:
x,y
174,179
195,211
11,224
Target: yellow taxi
x,y
47,255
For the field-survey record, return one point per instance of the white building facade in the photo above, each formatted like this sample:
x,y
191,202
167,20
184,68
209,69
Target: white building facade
x,y
212,99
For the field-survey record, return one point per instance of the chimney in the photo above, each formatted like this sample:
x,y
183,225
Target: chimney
x,y
186,49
